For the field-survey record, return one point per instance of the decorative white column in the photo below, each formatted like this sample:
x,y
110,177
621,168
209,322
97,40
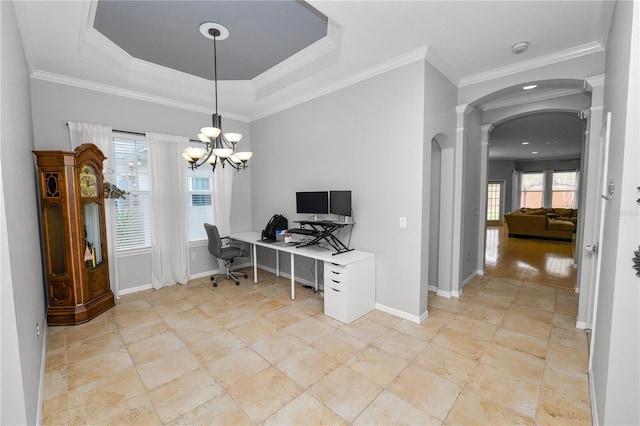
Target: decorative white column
x,y
482,213
458,195
588,213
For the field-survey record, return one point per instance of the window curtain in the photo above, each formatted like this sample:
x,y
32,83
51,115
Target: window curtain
x,y
222,190
168,203
547,188
101,136
515,190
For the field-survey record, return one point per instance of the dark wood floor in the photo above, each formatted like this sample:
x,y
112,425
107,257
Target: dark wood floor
x,y
544,262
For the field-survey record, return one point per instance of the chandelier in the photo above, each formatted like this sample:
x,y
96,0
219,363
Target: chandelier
x,y
218,148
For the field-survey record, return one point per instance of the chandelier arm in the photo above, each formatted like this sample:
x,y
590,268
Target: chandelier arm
x,y
232,164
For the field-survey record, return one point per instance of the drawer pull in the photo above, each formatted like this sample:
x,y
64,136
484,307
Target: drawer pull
x,y
337,282
337,291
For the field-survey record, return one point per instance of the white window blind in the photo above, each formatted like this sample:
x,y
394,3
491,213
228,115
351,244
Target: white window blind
x,y
132,175
200,199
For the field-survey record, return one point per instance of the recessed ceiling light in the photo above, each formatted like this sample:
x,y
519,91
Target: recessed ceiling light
x,y
519,47
525,143
534,152
529,87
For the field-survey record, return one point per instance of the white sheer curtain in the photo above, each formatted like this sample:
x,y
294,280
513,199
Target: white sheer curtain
x,y
515,189
222,190
168,202
101,136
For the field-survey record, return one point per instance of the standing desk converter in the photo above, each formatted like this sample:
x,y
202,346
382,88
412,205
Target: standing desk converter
x,y
323,231
349,277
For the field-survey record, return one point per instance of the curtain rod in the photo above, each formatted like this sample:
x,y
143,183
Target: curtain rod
x,y
140,133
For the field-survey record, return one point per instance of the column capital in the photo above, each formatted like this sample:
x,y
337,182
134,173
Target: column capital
x,y
464,109
487,128
595,81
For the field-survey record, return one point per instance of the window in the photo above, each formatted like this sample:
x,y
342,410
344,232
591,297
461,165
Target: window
x,y
133,227
494,201
200,211
564,190
531,190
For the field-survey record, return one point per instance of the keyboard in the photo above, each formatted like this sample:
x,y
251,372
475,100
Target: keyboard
x,y
302,231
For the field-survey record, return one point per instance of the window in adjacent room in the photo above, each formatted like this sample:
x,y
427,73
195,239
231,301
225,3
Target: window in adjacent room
x,y
133,227
200,199
564,190
495,205
531,189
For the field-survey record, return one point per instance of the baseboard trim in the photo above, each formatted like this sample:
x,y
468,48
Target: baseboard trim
x,y
468,279
457,294
433,288
594,403
137,289
443,293
401,314
581,325
43,359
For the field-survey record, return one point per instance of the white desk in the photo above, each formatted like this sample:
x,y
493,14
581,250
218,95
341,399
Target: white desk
x,y
365,280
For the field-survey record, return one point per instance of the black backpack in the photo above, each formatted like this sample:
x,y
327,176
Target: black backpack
x,y
276,223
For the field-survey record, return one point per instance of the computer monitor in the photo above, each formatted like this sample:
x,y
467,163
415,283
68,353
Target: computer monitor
x,y
340,203
315,202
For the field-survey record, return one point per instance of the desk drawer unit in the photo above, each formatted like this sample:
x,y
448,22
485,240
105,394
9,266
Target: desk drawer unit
x,y
349,290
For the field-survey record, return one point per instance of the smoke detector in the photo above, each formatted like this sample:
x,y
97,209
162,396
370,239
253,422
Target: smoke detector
x,y
519,47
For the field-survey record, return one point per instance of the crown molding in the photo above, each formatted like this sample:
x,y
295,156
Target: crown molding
x,y
554,58
22,16
308,61
126,93
397,62
503,103
435,60
89,8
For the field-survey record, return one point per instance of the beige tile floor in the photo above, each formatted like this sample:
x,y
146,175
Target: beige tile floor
x,y
506,352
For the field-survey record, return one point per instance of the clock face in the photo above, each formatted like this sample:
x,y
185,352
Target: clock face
x,y
88,182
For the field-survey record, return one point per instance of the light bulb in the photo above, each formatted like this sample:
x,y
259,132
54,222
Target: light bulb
x,y
211,132
222,152
233,137
203,138
194,153
244,156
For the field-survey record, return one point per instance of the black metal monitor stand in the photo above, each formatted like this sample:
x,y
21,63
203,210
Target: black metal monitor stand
x,y
324,231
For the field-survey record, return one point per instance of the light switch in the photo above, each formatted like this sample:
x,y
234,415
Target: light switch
x,y
403,222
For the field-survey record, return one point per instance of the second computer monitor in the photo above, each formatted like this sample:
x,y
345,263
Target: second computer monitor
x,y
314,202
340,203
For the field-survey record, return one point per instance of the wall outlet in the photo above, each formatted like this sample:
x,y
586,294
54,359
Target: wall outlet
x,y
468,257
194,255
38,330
403,222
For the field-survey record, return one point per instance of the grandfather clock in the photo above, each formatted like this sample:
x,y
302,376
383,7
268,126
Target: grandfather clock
x,y
74,234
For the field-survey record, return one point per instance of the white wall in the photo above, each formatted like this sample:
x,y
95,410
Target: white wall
x,y
616,354
367,138
440,124
56,104
22,293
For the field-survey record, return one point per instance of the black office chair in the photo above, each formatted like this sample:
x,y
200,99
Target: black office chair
x,y
226,252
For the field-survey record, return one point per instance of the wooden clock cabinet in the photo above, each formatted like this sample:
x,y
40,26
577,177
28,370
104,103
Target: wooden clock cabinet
x,y
73,234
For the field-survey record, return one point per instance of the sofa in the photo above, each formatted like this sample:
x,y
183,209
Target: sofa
x,y
549,223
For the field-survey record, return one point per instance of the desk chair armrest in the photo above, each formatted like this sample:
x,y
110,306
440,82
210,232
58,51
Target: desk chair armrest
x,y
233,243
